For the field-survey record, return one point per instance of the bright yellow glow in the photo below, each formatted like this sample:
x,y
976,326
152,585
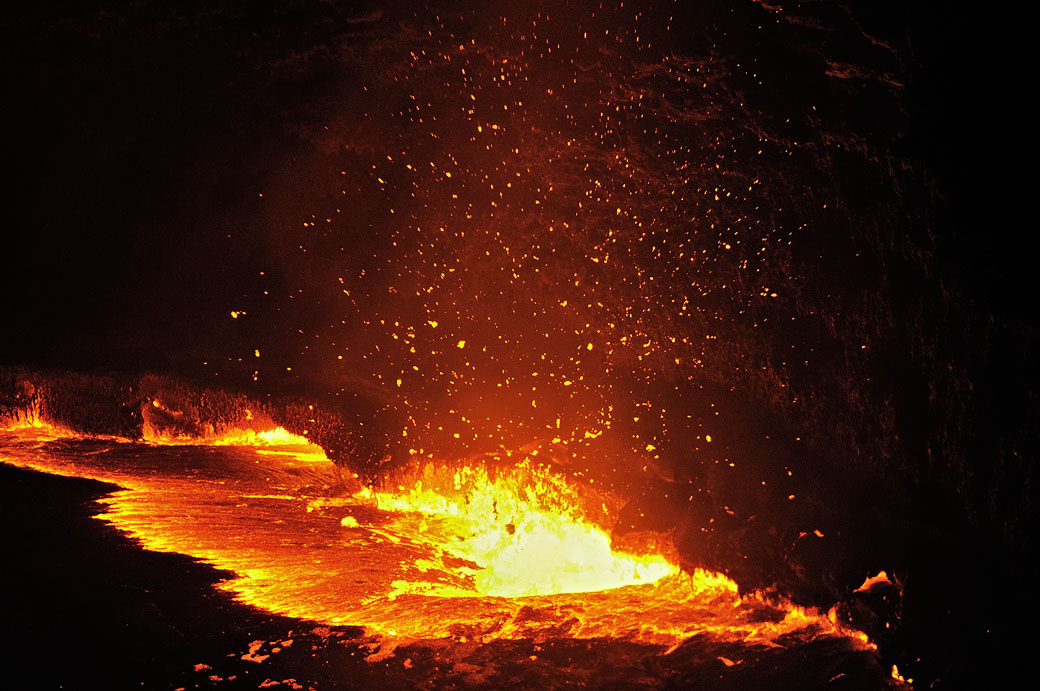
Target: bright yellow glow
x,y
522,528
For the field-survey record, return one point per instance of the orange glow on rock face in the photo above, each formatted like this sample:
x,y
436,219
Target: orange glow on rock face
x,y
441,551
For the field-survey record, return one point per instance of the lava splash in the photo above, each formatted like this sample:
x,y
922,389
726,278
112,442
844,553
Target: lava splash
x,y
523,531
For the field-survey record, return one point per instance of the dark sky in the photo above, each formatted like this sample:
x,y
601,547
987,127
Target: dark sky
x,y
137,136
141,135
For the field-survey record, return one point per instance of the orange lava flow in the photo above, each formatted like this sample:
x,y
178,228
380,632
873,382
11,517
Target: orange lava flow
x,y
461,553
276,440
277,436
254,433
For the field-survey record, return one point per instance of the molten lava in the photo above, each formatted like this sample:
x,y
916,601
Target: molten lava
x,y
464,552
274,437
523,532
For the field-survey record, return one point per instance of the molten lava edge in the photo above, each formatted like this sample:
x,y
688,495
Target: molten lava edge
x,y
444,552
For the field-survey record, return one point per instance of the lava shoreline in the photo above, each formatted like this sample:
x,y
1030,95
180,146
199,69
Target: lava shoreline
x,y
87,608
